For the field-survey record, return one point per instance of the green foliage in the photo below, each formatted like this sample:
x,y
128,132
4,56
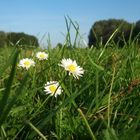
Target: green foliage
x,y
103,104
102,30
138,24
2,39
22,39
137,30
59,45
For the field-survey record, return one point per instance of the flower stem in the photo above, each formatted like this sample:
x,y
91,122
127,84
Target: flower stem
x,y
87,125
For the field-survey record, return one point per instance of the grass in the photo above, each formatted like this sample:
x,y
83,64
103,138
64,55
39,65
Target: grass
x,y
101,105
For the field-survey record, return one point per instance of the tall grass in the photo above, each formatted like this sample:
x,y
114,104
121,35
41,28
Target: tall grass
x,y
103,104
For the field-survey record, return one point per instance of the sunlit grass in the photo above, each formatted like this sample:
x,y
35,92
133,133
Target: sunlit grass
x,y
104,103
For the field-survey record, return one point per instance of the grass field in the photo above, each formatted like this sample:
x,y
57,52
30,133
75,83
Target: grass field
x,y
103,104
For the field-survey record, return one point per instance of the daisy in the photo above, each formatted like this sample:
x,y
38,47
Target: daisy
x,y
26,63
72,67
53,88
42,56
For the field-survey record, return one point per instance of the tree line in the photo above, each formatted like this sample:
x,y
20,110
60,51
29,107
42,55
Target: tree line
x,y
21,39
119,30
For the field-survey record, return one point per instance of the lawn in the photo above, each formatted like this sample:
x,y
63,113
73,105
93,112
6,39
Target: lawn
x,y
102,104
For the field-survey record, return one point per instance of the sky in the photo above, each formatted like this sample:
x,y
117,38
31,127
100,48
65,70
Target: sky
x,y
46,17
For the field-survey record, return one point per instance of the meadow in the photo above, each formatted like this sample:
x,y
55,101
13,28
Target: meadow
x,y
103,104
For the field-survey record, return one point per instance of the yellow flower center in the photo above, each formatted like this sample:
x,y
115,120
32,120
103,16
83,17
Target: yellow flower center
x,y
71,68
52,88
26,63
42,55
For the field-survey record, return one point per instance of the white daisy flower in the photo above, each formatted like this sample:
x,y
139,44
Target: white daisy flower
x,y
42,56
72,67
53,88
26,63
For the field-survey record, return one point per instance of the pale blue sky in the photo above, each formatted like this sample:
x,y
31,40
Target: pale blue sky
x,y
38,17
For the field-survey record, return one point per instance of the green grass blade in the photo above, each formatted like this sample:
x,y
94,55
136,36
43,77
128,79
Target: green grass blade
x,y
36,130
6,93
87,124
13,100
8,63
95,65
109,98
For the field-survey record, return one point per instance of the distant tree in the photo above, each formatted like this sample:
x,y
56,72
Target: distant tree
x,y
103,29
59,45
137,30
22,39
138,24
2,39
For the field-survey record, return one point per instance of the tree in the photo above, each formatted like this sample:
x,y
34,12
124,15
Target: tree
x,y
103,29
2,39
138,24
22,39
137,30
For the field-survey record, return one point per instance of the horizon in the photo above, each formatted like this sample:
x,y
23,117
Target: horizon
x,y
48,16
